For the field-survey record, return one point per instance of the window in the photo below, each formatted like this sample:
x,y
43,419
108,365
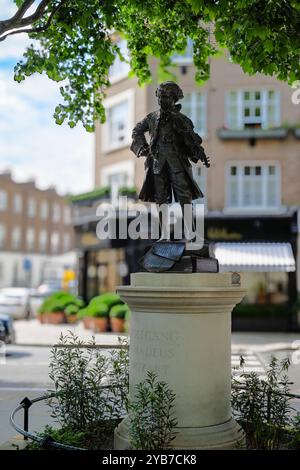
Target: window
x,y
43,240
44,210
3,200
67,215
252,108
31,208
117,175
116,132
17,203
253,186
67,242
117,117
30,239
2,235
194,106
16,238
120,68
54,242
55,213
116,181
186,57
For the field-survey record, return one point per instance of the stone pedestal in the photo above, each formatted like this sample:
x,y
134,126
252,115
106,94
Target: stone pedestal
x,y
181,329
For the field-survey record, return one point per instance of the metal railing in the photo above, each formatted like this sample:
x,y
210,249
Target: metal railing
x,y
44,442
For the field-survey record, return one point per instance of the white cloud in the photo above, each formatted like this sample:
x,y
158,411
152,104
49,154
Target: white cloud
x,y
31,144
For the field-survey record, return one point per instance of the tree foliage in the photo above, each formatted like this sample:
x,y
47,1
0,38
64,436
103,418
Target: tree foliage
x,y
76,42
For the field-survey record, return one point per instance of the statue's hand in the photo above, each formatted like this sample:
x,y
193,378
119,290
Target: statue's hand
x,y
143,152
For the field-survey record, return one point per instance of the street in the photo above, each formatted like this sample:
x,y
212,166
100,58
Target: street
x,y
24,372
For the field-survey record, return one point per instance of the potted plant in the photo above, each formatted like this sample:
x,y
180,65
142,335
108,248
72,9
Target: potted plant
x,y
84,315
71,311
53,307
117,317
99,314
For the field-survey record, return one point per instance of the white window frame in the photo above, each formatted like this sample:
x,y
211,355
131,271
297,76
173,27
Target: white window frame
x,y
44,210
117,77
67,215
31,207
126,167
56,213
18,203
3,200
30,240
16,240
241,124
193,116
108,103
261,208
55,236
43,240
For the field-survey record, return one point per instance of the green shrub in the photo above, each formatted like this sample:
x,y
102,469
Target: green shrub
x,y
83,313
152,415
97,311
118,311
110,299
263,408
71,309
58,301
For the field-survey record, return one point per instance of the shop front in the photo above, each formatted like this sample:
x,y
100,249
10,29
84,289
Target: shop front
x,y
264,249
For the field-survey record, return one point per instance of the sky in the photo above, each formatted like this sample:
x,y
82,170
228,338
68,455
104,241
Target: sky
x,y
32,146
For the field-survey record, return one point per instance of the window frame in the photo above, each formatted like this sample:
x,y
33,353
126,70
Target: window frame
x,y
193,94
240,182
264,103
109,103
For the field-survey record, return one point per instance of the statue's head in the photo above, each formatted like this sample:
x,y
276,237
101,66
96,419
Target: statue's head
x,y
168,93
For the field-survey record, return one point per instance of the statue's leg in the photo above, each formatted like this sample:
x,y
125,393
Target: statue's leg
x,y
183,195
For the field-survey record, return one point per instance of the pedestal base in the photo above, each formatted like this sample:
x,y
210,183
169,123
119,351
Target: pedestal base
x,y
181,330
225,436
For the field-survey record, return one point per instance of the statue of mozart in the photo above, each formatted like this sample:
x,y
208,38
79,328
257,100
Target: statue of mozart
x,y
173,143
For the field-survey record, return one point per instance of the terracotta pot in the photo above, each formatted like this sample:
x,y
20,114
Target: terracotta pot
x,y
71,319
88,323
100,324
117,324
55,318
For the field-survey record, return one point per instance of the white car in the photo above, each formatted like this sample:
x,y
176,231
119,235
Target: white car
x,y
15,301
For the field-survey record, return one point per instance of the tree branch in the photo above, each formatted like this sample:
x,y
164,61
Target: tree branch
x,y
35,30
18,20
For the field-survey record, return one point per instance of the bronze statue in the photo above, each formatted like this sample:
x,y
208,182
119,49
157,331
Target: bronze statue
x,y
173,143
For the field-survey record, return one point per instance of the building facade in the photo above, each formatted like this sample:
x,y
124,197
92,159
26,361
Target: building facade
x,y
36,226
250,129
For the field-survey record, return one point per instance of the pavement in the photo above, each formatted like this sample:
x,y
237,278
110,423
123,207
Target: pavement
x,y
33,333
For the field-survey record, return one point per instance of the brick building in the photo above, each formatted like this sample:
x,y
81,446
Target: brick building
x,y
35,226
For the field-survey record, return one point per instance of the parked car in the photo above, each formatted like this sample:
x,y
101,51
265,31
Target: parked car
x,y
7,332
15,301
